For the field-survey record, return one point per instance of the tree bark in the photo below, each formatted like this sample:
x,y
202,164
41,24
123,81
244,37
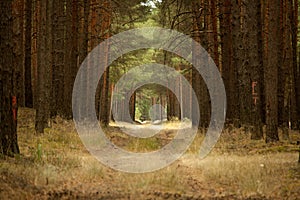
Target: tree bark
x,y
214,21
254,65
71,55
44,61
271,72
197,81
83,39
283,69
34,49
27,64
241,38
132,106
296,66
8,106
228,69
105,30
237,45
18,30
58,25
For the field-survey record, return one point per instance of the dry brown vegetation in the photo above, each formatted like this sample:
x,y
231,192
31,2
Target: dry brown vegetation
x,y
57,166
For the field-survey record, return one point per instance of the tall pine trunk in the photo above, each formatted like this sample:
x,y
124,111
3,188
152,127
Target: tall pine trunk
x,y
254,65
44,64
271,72
27,64
18,33
237,46
58,25
104,81
296,66
8,106
71,55
228,69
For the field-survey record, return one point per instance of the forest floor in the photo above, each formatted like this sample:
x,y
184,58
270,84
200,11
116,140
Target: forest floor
x,y
56,165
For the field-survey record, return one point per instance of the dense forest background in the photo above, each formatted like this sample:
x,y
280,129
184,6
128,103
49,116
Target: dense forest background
x,y
253,43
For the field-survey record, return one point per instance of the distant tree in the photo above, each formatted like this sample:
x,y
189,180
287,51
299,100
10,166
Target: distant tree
x,y
8,105
132,103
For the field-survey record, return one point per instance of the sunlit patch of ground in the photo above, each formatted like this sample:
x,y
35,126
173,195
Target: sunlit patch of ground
x,y
166,125
57,166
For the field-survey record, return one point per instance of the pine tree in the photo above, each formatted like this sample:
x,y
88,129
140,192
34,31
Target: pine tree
x,y
8,106
271,72
44,64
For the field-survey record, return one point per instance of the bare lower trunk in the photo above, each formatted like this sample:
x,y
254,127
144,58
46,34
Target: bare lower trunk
x,y
8,105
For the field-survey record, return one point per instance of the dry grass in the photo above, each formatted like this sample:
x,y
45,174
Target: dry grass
x,y
56,165
267,175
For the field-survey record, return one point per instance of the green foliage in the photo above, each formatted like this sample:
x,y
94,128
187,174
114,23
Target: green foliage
x,y
124,20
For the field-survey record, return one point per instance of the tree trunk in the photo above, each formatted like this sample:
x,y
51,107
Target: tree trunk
x,y
44,60
83,31
241,35
265,36
83,39
95,29
296,66
27,64
293,115
18,30
228,69
105,30
58,25
287,94
237,45
197,81
271,72
171,105
8,106
71,55
283,69
254,65
214,21
132,106
34,54
177,102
